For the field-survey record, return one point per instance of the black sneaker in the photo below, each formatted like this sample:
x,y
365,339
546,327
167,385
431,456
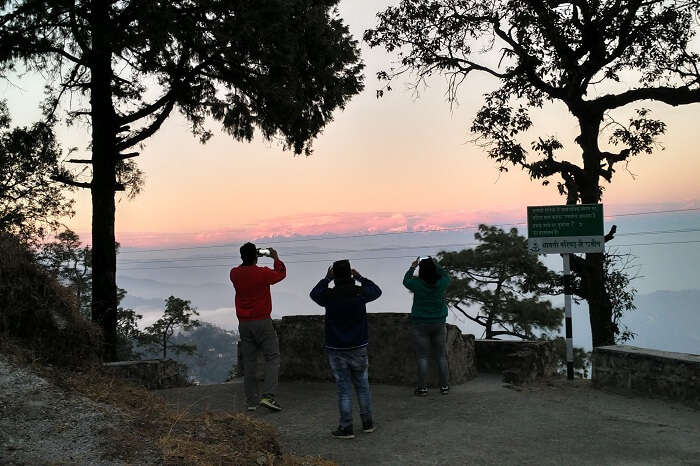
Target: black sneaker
x,y
420,391
270,403
341,432
444,390
368,427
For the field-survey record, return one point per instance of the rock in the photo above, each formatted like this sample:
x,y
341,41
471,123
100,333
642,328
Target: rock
x,y
152,374
520,362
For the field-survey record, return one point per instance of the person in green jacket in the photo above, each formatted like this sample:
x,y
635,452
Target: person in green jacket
x,y
428,315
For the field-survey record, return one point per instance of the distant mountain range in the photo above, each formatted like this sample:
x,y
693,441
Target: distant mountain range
x,y
667,320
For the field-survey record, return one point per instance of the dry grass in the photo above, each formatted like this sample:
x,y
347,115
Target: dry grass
x,y
180,437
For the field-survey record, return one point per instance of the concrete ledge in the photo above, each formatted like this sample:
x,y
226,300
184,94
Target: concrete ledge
x,y
391,351
519,361
151,373
648,372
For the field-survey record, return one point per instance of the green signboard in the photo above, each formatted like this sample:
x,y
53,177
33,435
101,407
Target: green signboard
x,y
562,229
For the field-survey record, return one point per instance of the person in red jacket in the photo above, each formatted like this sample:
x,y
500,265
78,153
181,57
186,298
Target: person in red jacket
x,y
253,308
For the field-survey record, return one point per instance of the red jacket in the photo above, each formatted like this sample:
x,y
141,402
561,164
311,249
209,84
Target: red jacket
x,y
252,284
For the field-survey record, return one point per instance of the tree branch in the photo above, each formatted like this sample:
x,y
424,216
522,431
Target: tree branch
x,y
668,95
128,155
148,131
475,319
65,180
511,333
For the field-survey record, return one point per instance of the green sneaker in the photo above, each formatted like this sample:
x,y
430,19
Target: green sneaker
x,y
270,403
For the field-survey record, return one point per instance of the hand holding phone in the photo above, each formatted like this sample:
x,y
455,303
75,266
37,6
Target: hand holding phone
x,y
263,252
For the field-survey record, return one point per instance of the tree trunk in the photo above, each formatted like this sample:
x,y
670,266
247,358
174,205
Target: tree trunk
x,y
489,334
104,259
599,305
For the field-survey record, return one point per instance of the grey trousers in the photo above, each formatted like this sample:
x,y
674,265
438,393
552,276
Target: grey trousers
x,y
256,336
431,337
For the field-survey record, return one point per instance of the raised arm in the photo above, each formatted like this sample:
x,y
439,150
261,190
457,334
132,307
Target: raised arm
x,y
370,291
318,293
409,281
278,272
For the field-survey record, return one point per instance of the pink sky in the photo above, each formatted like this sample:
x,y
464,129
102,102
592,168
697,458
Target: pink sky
x,y
403,162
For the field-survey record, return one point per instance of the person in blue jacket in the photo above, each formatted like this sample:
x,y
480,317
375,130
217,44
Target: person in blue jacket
x,y
346,340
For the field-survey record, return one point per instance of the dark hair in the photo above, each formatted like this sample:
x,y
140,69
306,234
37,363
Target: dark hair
x,y
249,253
428,272
341,269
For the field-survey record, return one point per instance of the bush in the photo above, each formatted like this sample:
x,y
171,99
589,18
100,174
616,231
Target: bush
x,y
41,314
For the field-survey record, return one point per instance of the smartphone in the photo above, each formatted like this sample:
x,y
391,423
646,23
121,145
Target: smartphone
x,y
263,252
423,257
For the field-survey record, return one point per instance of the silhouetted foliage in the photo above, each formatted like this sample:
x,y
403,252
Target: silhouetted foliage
x,y
505,283
282,66
128,333
70,262
31,204
178,315
41,314
556,52
620,270
215,355
582,358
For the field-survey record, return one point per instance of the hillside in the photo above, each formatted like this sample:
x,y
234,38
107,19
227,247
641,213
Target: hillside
x,y
57,406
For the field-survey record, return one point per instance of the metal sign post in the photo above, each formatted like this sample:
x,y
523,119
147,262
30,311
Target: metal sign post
x,y
566,229
567,319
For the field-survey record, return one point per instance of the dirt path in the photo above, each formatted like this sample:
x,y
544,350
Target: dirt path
x,y
41,423
480,422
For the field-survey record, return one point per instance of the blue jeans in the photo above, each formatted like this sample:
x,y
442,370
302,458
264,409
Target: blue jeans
x,y
351,367
431,337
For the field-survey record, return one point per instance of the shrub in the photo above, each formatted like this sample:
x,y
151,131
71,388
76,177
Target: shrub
x,y
41,314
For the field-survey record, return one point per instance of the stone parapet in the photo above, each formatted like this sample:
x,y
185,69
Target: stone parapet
x,y
391,350
151,374
648,372
519,361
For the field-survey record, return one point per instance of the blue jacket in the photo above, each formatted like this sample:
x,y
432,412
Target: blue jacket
x,y
346,314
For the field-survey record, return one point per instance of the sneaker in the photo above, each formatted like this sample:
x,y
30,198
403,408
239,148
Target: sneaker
x,y
343,432
420,391
444,390
270,403
368,427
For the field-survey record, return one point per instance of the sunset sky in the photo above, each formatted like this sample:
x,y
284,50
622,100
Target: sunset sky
x,y
404,161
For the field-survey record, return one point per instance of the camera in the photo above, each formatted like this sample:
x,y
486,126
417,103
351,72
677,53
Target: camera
x,y
423,258
263,252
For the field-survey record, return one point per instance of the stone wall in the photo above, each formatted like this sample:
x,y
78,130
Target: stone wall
x,y
391,351
519,361
648,372
151,374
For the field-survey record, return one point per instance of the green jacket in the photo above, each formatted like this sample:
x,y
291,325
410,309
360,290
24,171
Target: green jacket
x,y
428,301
